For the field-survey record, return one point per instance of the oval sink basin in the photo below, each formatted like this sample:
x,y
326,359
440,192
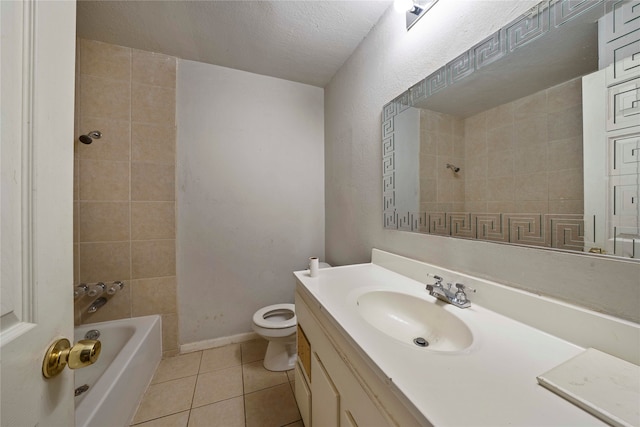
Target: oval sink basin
x,y
405,318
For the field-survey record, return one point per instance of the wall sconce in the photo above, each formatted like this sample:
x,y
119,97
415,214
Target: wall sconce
x,y
413,9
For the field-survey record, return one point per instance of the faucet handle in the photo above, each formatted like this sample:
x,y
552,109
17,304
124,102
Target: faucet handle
x,y
437,278
461,296
463,287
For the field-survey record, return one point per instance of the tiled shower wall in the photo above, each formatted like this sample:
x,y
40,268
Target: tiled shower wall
x,y
521,157
526,155
124,209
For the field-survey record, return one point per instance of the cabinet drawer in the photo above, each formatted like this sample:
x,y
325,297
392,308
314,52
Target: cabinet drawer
x,y
304,352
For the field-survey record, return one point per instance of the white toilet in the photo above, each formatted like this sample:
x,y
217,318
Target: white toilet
x,y
277,324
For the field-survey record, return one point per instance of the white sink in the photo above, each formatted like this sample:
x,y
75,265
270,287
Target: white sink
x,y
406,317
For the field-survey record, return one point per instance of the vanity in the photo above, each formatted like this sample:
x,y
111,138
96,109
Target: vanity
x,y
359,365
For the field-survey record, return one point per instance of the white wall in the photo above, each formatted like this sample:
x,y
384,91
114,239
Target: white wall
x,y
250,177
386,63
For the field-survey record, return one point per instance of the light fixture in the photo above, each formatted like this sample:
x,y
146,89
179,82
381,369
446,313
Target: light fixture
x,y
413,9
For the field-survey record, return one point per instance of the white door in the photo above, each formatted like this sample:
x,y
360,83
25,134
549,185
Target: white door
x,y
37,60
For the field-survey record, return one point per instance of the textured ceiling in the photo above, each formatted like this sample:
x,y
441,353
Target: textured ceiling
x,y
303,41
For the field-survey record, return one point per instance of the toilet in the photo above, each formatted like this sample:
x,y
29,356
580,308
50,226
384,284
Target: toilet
x,y
277,323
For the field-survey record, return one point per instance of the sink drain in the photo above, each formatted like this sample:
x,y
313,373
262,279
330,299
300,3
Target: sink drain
x,y
421,342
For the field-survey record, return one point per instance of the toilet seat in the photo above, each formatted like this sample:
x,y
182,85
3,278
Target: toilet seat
x,y
261,317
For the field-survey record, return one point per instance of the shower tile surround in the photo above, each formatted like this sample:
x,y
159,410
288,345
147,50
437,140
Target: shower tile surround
x,y
512,157
124,195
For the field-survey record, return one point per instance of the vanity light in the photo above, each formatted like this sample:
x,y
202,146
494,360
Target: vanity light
x,y
413,9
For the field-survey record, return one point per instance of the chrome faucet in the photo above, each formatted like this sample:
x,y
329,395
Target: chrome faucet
x,y
99,302
457,298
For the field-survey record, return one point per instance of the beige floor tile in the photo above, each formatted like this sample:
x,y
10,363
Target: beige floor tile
x,y
218,385
291,374
254,350
176,367
166,398
274,406
228,413
220,358
176,420
256,377
298,423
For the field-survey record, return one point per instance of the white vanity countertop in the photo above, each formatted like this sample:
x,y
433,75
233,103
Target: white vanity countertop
x,y
491,383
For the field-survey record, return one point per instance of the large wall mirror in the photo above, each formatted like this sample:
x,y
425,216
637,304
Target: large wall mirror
x,y
531,137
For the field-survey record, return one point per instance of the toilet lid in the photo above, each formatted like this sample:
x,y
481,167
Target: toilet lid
x,y
265,316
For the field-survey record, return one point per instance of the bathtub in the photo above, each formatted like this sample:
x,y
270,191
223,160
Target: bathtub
x,y
131,351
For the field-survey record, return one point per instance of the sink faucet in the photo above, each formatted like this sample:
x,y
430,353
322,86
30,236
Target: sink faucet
x,y
458,298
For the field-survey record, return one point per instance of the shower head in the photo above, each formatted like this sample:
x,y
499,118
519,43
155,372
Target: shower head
x,y
454,168
90,136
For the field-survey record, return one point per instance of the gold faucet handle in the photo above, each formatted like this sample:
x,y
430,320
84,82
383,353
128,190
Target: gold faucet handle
x,y
61,354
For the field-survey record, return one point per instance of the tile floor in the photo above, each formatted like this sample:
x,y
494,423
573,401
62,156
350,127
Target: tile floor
x,y
224,386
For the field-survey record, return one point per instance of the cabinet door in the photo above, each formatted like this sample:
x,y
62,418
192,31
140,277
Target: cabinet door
x,y
325,399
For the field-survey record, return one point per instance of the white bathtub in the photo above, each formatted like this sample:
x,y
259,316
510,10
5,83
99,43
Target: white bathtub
x,y
131,351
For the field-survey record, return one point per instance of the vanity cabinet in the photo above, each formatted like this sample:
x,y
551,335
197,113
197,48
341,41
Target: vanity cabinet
x,y
334,385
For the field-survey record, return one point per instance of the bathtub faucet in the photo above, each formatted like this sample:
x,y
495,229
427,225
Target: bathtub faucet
x,y
97,304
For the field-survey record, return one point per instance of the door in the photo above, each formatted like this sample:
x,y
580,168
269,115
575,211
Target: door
x,y
37,60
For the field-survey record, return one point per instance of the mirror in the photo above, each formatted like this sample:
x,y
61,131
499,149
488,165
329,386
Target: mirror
x,y
491,145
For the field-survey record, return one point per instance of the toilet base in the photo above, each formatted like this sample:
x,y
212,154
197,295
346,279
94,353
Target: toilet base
x,y
280,356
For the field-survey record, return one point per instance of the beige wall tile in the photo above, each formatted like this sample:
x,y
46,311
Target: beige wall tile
x,y
153,143
153,69
101,97
439,122
502,207
500,189
500,163
565,154
153,296
169,332
76,179
76,221
118,306
564,95
428,142
530,106
531,159
475,124
476,207
104,221
531,206
444,144
566,184
475,144
76,264
532,130
151,181
103,262
153,258
476,167
428,166
104,180
428,190
532,187
566,123
153,104
104,60
153,220
500,139
566,206
500,116
458,146
476,190
114,144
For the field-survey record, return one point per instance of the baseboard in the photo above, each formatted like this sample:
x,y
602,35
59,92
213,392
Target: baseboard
x,y
217,342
